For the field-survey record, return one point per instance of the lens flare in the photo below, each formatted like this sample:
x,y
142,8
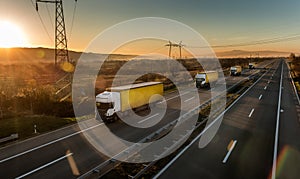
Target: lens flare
x,y
11,35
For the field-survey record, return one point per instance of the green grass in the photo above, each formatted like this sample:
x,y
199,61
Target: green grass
x,y
24,125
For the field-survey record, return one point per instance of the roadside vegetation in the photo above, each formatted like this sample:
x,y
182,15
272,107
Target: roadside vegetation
x,y
25,104
294,65
31,125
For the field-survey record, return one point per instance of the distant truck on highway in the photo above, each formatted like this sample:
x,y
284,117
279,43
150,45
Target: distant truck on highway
x,y
205,79
235,70
252,65
122,98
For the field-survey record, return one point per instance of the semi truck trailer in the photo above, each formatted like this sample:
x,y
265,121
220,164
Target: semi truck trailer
x,y
116,101
205,79
235,70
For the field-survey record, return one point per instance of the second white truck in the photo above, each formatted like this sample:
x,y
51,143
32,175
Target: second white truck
x,y
206,79
235,70
252,65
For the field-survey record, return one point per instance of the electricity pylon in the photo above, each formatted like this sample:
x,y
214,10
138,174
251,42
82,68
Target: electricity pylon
x,y
170,45
61,47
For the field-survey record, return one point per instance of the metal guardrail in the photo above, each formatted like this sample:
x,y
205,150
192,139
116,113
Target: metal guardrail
x,y
11,137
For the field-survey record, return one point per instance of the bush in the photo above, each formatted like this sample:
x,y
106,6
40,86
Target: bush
x,y
32,99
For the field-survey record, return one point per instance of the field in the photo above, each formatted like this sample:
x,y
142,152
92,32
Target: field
x,y
24,125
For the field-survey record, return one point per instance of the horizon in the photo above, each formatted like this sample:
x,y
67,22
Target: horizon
x,y
237,53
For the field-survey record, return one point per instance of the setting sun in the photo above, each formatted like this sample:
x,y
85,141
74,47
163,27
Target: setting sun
x,y
11,35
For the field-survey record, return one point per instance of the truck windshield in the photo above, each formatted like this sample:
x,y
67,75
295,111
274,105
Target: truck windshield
x,y
200,79
104,105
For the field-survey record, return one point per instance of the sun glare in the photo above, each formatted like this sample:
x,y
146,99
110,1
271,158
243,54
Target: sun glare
x,y
11,35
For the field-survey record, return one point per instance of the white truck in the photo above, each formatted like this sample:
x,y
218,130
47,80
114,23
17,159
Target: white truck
x,y
118,100
235,70
205,79
252,65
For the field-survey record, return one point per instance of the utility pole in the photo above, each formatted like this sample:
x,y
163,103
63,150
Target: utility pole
x,y
170,48
180,46
170,45
61,47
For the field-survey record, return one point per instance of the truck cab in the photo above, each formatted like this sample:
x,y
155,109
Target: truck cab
x,y
252,65
107,104
206,79
200,80
235,70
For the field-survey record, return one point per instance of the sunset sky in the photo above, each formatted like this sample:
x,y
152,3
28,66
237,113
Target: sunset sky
x,y
220,22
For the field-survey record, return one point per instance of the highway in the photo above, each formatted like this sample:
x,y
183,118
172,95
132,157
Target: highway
x,y
244,146
66,153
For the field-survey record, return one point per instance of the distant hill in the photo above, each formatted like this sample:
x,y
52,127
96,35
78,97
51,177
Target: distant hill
x,y
24,65
40,54
243,53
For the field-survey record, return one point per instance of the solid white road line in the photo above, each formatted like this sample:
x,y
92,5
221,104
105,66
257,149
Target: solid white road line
x,y
260,97
44,166
148,118
189,99
229,151
251,112
277,127
49,143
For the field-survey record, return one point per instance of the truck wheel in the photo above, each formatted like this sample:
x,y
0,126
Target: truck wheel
x,y
115,117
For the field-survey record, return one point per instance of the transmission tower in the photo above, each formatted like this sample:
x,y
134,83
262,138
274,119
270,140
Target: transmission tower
x,y
170,45
61,47
63,85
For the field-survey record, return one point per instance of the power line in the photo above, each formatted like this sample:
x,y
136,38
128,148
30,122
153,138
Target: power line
x,y
73,17
156,49
43,24
50,16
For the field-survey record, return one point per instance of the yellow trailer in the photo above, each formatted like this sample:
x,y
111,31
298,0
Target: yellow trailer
x,y
122,98
136,95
